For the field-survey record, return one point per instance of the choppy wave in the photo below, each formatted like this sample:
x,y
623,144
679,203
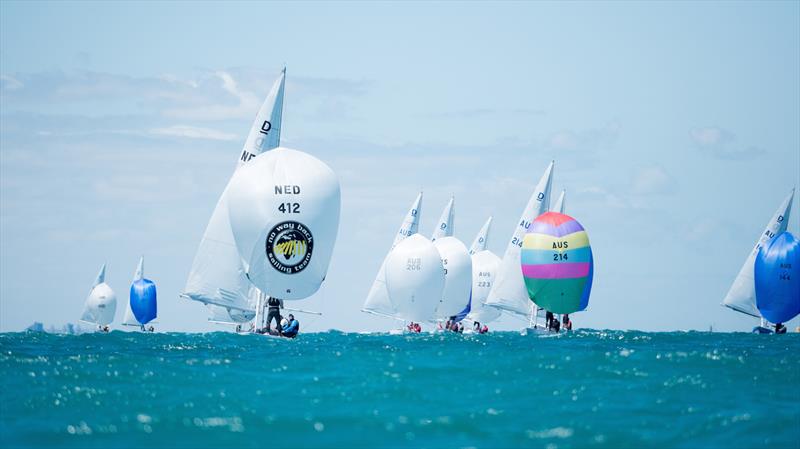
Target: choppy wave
x,y
590,388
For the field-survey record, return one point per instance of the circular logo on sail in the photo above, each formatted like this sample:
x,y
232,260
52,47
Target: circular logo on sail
x,y
289,247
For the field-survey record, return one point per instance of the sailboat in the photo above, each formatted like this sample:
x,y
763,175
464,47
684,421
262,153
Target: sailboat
x,y
217,278
484,269
101,304
557,263
377,302
457,263
508,293
741,296
415,278
142,306
777,279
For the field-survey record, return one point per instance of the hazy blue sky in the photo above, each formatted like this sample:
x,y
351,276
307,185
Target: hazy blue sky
x,y
675,128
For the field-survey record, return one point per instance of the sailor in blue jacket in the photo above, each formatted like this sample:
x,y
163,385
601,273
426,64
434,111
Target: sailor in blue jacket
x,y
291,328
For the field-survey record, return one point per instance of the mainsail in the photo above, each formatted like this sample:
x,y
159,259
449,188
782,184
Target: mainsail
x,y
509,292
444,227
482,239
558,206
217,278
378,302
101,304
742,295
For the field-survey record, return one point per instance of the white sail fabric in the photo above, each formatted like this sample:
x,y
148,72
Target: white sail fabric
x,y
457,276
284,209
444,227
414,278
378,297
101,304
484,270
559,204
509,292
216,277
742,295
482,239
265,134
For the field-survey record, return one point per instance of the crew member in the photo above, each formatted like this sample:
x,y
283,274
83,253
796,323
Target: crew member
x,y
567,323
274,312
291,328
780,328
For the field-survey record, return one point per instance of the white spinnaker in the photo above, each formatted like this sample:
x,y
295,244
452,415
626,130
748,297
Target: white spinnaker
x,y
457,265
444,227
414,278
484,270
482,239
217,278
559,204
742,295
130,319
509,292
378,297
101,304
284,210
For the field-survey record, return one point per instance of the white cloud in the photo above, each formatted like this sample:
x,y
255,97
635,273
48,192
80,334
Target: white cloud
x,y
10,83
652,180
721,143
609,199
193,132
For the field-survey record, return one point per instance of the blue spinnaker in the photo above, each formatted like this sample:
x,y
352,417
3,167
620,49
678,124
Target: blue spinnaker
x,y
777,279
143,300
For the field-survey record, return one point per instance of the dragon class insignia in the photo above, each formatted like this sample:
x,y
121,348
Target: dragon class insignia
x,y
289,247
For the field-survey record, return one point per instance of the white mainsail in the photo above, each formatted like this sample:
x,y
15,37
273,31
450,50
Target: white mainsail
x,y
444,227
742,295
217,278
414,278
482,239
130,319
559,204
509,292
378,302
457,265
101,304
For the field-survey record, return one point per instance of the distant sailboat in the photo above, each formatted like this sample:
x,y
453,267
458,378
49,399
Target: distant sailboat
x,y
101,304
217,278
484,269
142,306
377,302
415,278
509,293
742,295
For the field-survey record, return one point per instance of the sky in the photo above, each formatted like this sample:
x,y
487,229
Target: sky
x,y
674,128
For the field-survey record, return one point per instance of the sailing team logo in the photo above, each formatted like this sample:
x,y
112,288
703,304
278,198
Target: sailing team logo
x,y
289,247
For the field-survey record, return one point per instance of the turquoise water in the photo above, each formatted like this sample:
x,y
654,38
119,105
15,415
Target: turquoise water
x,y
587,389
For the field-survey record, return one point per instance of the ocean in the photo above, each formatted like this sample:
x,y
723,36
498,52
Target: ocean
x,y
587,389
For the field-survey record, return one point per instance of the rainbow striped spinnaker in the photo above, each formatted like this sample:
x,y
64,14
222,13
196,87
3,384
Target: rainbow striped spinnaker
x,y
557,263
